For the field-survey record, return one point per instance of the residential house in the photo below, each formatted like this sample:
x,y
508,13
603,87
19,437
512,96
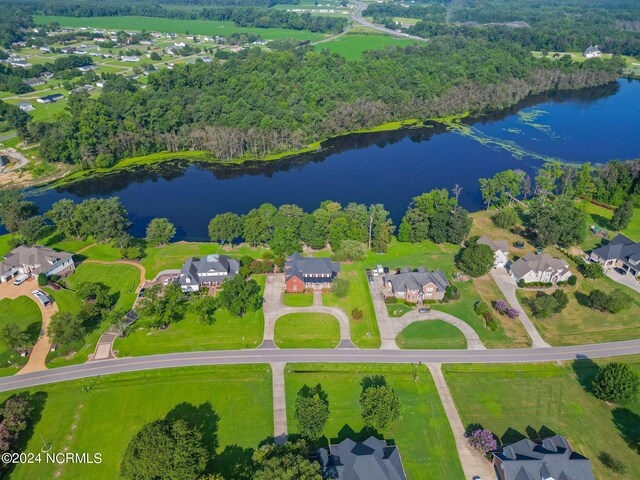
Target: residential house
x,y
500,250
372,459
25,106
34,82
593,52
207,271
540,267
417,286
50,98
621,252
553,459
24,260
129,59
88,68
302,273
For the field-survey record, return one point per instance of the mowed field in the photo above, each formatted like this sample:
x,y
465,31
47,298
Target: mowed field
x,y
232,403
198,27
351,46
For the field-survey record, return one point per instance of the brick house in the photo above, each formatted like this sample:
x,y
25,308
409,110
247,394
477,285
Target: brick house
x,y
301,273
417,286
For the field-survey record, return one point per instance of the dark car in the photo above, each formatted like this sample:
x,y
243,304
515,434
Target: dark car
x,y
621,271
424,310
141,293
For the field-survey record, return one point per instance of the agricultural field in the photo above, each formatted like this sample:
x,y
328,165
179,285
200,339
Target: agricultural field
x,y
353,45
422,434
198,27
232,403
537,400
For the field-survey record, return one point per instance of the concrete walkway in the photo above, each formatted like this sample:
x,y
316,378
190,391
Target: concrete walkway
x,y
473,464
508,286
280,431
38,357
274,308
391,327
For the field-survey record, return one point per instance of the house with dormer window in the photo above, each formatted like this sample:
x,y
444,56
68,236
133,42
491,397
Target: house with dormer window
x,y
308,273
33,261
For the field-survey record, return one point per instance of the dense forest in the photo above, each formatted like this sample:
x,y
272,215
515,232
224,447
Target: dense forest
x,y
257,102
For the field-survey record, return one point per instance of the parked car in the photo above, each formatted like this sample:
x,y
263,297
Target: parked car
x,y
370,279
21,279
141,293
424,310
167,281
620,270
42,297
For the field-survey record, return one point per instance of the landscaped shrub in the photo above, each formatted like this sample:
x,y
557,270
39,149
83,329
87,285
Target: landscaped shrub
x,y
264,266
572,280
357,314
500,306
390,300
482,308
42,280
615,302
616,383
590,269
598,300
490,322
341,287
545,305
482,440
451,293
523,284
512,313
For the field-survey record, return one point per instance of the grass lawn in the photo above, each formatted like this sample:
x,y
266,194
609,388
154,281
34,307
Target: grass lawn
x,y
172,256
601,216
102,251
232,402
431,334
122,281
578,324
25,313
152,24
517,400
298,299
307,330
190,334
398,309
352,46
422,434
4,243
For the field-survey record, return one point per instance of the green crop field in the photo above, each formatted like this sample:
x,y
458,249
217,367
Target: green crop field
x,y
232,403
198,27
351,46
422,434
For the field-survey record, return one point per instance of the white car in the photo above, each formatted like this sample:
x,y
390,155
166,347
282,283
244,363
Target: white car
x,y
42,297
21,279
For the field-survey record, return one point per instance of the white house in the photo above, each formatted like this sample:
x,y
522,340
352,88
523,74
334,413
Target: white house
x,y
34,261
500,250
540,267
209,270
593,52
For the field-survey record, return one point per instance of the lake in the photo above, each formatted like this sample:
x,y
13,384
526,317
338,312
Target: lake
x,y
592,125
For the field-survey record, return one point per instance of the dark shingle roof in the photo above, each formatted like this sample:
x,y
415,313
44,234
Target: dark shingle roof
x,y
620,247
194,267
372,459
554,458
407,280
309,267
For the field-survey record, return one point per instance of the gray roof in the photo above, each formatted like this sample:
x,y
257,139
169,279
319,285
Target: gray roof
x,y
372,459
194,267
621,248
408,280
538,262
553,458
495,245
310,267
592,49
40,259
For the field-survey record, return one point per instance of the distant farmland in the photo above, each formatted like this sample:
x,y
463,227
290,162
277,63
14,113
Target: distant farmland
x,y
198,27
351,46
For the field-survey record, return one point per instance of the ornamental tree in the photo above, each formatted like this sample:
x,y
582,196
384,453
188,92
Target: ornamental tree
x,y
476,260
289,462
380,406
160,231
312,411
482,440
616,383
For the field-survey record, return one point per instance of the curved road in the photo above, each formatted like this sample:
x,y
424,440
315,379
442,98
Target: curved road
x,y
275,355
356,16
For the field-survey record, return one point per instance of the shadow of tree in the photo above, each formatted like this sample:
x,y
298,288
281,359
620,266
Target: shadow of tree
x,y
611,463
307,391
628,424
601,221
582,298
472,427
511,435
203,418
373,381
347,432
585,371
234,462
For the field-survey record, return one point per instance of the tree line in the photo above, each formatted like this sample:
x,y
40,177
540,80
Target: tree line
x,y
257,103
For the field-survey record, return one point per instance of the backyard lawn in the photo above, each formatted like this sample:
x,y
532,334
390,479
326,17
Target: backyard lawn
x,y
4,243
431,334
601,216
122,281
537,400
422,434
25,313
298,299
307,330
190,334
233,403
578,324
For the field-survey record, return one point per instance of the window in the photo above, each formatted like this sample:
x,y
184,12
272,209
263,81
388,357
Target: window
x,y
295,288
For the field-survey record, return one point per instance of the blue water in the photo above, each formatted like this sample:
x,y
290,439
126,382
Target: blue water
x,y
595,125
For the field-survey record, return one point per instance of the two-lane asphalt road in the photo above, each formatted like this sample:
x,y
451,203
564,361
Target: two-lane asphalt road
x,y
275,355
356,16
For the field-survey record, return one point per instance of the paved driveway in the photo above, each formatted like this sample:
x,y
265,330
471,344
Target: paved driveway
x,y
626,280
41,349
508,287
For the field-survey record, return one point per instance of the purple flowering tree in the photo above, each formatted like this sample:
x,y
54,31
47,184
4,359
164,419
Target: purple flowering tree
x,y
501,306
482,440
512,313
